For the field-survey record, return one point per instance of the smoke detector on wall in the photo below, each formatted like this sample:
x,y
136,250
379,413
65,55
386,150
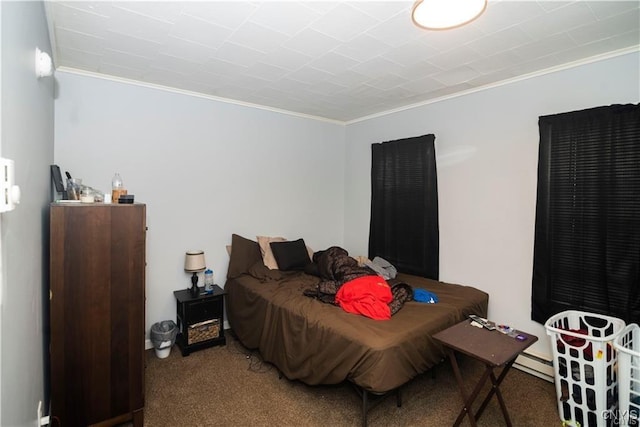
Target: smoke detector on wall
x,y
44,65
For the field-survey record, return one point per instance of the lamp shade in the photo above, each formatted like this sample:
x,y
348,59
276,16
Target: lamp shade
x,y
194,261
446,14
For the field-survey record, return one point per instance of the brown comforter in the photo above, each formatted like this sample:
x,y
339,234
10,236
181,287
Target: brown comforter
x,y
321,344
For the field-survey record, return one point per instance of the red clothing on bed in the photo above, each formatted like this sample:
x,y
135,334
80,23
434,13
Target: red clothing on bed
x,y
367,295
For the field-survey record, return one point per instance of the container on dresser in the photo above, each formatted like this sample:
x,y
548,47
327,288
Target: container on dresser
x,y
97,313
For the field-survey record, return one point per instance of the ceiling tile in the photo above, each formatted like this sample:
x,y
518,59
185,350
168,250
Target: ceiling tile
x,y
500,41
236,54
71,39
333,63
226,14
258,37
384,10
185,49
140,26
444,41
501,15
172,63
104,9
598,47
497,62
362,48
347,78
531,66
378,67
456,76
265,71
74,58
126,59
121,71
450,90
457,56
606,9
343,23
287,59
160,10
196,30
387,82
326,89
289,18
130,44
423,85
418,70
605,28
562,19
219,69
412,52
165,77
311,42
394,31
544,47
81,20
309,75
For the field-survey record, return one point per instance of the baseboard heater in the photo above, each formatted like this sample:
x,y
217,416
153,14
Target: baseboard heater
x,y
535,364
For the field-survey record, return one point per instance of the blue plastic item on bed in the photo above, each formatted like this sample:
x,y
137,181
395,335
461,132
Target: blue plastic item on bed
x,y
422,295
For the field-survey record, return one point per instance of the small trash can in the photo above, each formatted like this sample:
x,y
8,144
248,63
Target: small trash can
x,y
163,336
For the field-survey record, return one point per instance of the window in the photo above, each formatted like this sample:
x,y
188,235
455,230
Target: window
x,y
404,205
587,235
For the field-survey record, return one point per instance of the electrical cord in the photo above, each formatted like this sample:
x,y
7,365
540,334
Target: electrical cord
x,y
256,364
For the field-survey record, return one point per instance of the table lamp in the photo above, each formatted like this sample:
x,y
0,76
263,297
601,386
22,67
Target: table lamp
x,y
193,263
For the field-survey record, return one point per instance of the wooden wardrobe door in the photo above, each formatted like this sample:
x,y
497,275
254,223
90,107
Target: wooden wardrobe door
x,y
97,313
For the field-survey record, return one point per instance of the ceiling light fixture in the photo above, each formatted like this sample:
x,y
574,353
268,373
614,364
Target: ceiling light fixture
x,y
446,14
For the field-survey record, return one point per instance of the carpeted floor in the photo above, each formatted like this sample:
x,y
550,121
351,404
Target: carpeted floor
x,y
231,386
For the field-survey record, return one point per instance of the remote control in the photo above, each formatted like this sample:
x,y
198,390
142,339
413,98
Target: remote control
x,y
480,321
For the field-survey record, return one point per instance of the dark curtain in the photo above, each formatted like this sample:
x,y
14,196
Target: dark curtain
x,y
587,235
404,205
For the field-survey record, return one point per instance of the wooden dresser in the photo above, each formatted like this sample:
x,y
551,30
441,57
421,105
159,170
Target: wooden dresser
x,y
97,313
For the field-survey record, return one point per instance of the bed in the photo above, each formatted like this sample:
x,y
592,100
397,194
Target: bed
x,y
319,343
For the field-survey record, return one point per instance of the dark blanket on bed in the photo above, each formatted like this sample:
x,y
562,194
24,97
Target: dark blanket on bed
x,y
321,344
335,267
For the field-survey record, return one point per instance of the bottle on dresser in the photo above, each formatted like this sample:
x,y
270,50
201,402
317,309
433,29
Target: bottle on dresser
x,y
117,188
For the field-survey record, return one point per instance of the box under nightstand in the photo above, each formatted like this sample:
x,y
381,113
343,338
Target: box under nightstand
x,y
200,319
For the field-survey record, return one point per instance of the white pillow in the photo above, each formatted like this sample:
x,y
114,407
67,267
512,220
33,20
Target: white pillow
x,y
265,248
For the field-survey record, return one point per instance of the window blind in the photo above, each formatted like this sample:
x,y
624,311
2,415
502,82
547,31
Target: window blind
x,y
587,236
404,205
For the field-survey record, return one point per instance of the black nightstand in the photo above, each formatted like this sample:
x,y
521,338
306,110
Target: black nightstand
x,y
200,319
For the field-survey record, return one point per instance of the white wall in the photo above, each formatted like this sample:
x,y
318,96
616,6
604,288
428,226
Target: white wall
x,y
487,155
27,138
204,168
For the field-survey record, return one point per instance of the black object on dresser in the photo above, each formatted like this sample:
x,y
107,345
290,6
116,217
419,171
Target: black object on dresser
x,y
200,319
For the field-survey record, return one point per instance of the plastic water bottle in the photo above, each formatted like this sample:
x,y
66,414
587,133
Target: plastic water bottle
x,y
117,188
208,280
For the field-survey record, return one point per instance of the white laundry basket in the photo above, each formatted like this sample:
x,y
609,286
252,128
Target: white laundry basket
x,y
584,366
627,343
